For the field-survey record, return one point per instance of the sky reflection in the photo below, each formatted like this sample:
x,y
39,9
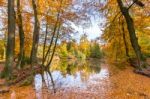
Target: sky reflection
x,y
77,80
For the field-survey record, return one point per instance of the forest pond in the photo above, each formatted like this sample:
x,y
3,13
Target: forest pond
x,y
72,74
85,79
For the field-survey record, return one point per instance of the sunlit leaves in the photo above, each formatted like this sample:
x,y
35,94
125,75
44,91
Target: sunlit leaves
x,y
113,28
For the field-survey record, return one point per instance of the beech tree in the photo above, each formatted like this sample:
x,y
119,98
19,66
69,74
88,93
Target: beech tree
x,y
33,56
126,25
10,40
21,35
131,29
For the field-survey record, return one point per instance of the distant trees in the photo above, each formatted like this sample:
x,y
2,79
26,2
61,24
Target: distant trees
x,y
84,45
85,49
95,51
63,50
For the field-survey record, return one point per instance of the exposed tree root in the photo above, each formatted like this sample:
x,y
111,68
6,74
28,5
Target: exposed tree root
x,y
20,76
145,67
145,72
24,74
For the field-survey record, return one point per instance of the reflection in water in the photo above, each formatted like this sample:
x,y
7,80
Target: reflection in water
x,y
38,86
103,74
72,75
13,95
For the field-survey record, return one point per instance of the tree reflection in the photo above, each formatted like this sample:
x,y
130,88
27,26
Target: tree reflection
x,y
71,67
70,73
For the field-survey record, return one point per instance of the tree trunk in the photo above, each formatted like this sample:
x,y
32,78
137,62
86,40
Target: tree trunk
x,y
44,46
21,35
53,52
124,39
33,56
54,32
10,40
131,29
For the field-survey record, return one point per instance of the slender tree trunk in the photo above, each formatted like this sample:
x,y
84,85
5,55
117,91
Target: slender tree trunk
x,y
7,73
52,39
124,39
44,46
33,56
55,43
21,35
54,32
131,29
53,83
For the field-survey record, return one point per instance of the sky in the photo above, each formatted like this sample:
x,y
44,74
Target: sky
x,y
96,18
93,31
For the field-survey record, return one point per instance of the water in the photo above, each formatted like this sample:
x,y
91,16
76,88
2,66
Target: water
x,y
72,74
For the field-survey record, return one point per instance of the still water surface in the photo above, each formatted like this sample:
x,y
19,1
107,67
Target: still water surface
x,y
73,74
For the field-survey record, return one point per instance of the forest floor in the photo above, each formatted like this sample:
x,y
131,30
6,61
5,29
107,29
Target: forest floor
x,y
116,84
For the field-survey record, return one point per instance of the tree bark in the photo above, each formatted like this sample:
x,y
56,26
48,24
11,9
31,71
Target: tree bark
x,y
54,32
124,39
52,38
53,52
44,46
33,56
21,35
10,40
131,29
